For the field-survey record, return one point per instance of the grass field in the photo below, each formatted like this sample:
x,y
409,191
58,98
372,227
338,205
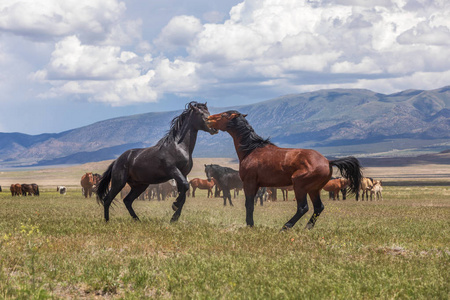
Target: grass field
x,y
58,247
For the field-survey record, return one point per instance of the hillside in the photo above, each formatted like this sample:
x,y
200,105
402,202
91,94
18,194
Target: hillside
x,y
334,122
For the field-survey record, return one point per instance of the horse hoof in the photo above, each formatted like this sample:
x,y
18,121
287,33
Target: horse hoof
x,y
309,226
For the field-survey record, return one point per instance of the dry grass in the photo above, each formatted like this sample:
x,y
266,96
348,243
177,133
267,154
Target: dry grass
x,y
58,247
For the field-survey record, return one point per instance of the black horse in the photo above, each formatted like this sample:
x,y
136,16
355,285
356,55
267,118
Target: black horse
x,y
226,178
170,158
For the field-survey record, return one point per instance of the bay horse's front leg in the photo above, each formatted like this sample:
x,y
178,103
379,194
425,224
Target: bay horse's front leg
x,y
250,193
183,186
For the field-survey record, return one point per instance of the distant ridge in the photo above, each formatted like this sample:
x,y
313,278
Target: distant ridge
x,y
335,122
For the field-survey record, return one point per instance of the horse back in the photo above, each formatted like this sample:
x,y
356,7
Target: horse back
x,y
275,166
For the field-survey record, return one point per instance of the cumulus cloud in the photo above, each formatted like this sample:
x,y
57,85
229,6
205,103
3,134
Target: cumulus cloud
x,y
72,60
180,32
273,39
46,19
286,46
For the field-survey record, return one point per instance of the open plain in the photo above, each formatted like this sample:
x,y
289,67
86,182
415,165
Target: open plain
x,y
58,246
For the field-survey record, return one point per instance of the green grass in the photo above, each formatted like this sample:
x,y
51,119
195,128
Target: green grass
x,y
58,247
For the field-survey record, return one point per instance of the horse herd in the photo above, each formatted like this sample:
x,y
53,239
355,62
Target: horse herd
x,y
24,189
263,167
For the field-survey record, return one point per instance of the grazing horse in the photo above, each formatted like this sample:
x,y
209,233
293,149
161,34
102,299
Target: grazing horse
x,y
35,189
27,189
170,158
87,183
226,179
261,163
16,189
335,186
202,184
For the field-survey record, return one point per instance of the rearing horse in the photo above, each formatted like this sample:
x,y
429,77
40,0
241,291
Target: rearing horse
x,y
170,158
262,164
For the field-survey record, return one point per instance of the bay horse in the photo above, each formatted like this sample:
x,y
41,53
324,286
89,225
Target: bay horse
x,y
16,189
202,184
170,158
226,179
263,164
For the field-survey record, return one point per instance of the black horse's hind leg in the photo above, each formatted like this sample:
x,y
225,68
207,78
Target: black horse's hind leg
x,y
227,195
302,208
183,186
109,199
318,208
135,192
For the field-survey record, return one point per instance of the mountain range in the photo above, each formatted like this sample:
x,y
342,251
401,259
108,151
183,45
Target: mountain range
x,y
335,122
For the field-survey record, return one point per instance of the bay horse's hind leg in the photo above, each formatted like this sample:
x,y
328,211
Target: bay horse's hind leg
x,y
318,208
302,208
135,192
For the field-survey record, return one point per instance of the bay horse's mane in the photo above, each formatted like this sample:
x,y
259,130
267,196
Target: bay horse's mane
x,y
249,139
178,124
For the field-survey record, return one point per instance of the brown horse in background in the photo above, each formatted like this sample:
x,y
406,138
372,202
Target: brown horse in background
x,y
335,186
285,192
16,189
87,183
262,164
30,189
202,184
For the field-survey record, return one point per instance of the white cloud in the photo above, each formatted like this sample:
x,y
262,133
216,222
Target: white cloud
x,y
108,74
180,32
289,46
72,60
53,18
274,39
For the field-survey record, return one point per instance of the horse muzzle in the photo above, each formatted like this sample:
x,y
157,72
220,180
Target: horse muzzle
x,y
212,130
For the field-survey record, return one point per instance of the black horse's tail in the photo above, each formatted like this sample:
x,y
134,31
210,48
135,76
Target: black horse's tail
x,y
103,185
350,169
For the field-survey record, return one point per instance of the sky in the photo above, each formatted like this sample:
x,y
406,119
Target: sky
x,y
67,64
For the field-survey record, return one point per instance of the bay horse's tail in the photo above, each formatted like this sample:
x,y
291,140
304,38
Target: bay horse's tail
x,y
350,169
103,185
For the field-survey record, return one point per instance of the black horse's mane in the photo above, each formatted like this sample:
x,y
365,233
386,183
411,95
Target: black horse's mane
x,y
178,124
249,139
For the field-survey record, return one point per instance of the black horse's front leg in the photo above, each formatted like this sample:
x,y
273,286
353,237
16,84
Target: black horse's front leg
x,y
183,186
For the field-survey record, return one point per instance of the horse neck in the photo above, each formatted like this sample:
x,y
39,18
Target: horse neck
x,y
188,139
237,142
